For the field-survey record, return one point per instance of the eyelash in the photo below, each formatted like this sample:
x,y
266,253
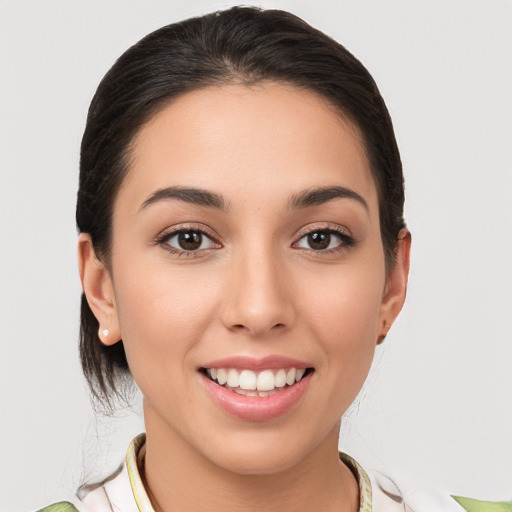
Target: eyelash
x,y
163,240
345,240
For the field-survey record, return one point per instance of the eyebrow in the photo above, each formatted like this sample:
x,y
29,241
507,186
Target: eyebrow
x,y
191,195
321,195
201,197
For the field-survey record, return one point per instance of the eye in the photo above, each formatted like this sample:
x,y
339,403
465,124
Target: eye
x,y
324,240
187,240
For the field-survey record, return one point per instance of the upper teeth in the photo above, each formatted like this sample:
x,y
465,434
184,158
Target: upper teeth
x,y
265,380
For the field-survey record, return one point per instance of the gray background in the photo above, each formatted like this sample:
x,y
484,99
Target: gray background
x,y
438,405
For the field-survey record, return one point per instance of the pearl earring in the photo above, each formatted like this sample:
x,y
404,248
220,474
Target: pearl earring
x,y
105,332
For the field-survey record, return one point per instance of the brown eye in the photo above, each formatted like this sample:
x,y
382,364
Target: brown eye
x,y
324,240
189,240
319,240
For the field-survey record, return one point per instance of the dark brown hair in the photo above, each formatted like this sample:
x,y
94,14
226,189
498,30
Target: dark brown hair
x,y
242,45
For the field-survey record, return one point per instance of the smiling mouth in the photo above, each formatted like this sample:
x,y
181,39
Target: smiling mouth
x,y
256,384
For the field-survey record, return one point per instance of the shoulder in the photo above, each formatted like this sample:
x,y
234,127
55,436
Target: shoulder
x,y
114,493
483,506
122,490
386,494
381,493
63,506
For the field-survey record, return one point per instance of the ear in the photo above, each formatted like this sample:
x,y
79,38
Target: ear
x,y
396,285
99,291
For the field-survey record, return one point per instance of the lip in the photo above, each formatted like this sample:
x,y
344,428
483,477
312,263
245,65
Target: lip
x,y
256,409
273,362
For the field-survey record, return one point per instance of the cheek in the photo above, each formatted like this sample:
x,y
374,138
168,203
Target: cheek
x,y
345,301
162,317
344,316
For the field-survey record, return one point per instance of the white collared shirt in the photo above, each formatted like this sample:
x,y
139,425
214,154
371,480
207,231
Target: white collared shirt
x,y
124,492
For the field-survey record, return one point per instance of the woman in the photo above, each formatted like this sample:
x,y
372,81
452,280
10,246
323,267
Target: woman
x,y
242,252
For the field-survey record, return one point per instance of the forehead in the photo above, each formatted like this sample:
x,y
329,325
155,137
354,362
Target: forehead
x,y
269,137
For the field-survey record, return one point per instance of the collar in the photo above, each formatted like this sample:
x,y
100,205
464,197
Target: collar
x,y
134,458
135,454
365,486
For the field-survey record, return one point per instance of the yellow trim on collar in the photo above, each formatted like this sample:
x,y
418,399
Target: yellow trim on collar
x,y
139,492
144,504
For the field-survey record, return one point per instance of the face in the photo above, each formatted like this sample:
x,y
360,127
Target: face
x,y
247,247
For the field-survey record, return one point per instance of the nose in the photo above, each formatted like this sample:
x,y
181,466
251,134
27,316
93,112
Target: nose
x,y
258,298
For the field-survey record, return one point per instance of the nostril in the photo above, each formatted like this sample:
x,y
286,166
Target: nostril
x,y
242,326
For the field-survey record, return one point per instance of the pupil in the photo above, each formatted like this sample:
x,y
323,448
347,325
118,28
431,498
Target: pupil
x,y
319,240
190,240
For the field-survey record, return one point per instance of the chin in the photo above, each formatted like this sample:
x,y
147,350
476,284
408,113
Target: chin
x,y
261,462
261,454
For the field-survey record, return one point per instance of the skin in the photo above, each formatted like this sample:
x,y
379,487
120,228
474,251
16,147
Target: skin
x,y
257,289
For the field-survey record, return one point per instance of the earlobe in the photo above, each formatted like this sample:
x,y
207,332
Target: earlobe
x,y
99,291
396,284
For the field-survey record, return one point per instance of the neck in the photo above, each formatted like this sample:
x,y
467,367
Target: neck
x,y
178,478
